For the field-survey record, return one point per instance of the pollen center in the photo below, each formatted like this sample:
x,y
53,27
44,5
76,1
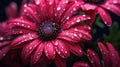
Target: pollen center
x,y
96,2
48,30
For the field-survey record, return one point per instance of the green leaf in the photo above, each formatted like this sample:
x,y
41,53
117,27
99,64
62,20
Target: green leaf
x,y
99,23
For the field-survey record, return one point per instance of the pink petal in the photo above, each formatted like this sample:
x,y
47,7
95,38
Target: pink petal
x,y
113,1
51,6
81,64
114,55
22,39
61,48
88,6
83,34
5,37
4,43
105,16
105,54
29,48
3,32
92,14
37,54
31,13
60,62
94,59
87,28
22,23
49,50
113,8
3,27
69,36
74,35
19,30
42,8
75,20
37,2
75,49
4,51
59,9
11,10
69,12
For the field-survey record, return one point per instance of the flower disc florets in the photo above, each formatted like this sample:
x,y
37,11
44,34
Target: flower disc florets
x,y
48,30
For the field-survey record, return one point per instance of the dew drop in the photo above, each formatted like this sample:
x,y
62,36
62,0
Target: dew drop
x,y
78,20
58,8
1,38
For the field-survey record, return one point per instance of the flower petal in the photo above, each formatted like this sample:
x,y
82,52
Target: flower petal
x,y
5,37
74,35
51,6
81,64
60,62
94,59
61,48
113,8
37,54
11,10
31,13
69,12
88,6
86,28
105,54
69,36
92,14
42,8
60,8
49,50
22,23
3,51
19,30
75,20
37,2
114,55
75,49
105,16
2,44
22,39
114,1
29,48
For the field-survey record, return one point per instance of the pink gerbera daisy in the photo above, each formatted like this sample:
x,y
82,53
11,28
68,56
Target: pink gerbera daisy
x,y
100,6
49,29
110,57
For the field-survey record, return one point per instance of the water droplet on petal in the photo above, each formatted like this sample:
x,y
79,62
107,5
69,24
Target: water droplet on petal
x,y
58,8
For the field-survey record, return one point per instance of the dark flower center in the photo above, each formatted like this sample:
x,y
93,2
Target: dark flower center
x,y
96,2
48,30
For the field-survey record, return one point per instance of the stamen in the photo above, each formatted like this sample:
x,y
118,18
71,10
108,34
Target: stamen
x,y
48,30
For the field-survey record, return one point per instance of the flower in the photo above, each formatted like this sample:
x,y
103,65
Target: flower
x,y
110,57
11,10
49,29
100,6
